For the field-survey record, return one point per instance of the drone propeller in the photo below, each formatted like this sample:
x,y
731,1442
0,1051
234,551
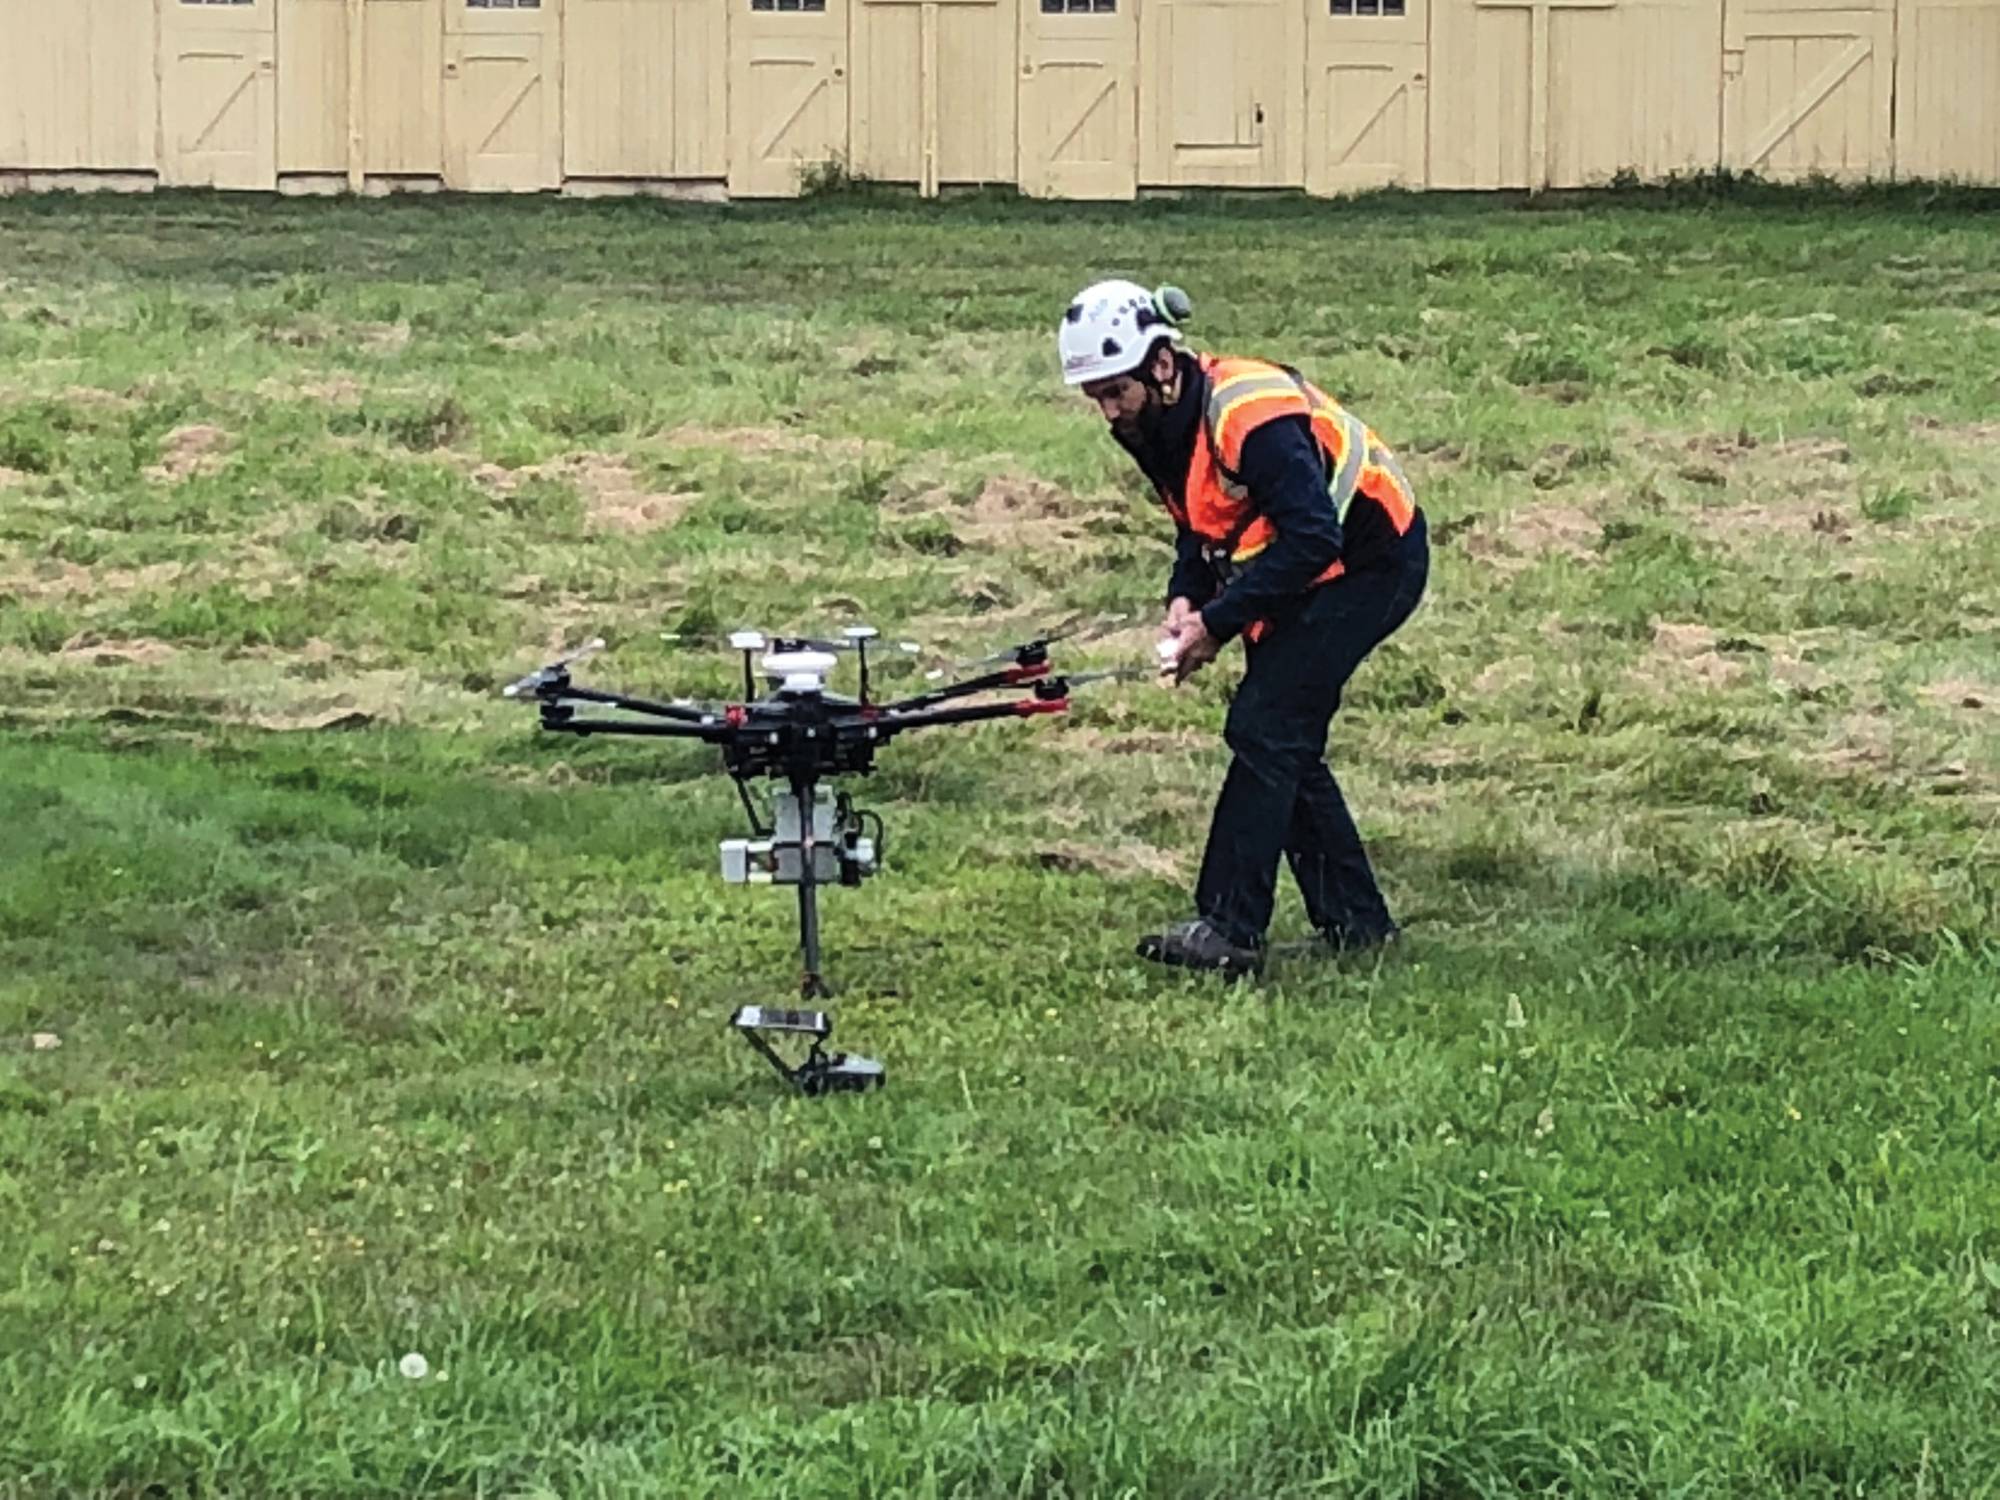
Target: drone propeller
x,y
715,640
553,671
1103,674
1031,650
854,637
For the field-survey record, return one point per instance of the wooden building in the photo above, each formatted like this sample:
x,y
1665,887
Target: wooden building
x,y
1066,98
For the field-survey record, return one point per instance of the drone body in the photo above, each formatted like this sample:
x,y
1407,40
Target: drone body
x,y
800,734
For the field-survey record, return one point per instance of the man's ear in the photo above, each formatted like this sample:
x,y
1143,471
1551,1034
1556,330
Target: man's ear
x,y
1163,362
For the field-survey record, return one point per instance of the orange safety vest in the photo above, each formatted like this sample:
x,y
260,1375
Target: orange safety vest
x,y
1243,394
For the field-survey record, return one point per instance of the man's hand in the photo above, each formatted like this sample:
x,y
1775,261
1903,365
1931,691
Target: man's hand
x,y
1178,610
1195,648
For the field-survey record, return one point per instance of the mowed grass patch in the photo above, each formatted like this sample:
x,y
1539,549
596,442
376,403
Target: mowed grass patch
x,y
346,1017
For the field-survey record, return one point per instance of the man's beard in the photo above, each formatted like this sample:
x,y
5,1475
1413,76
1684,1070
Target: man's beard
x,y
1142,428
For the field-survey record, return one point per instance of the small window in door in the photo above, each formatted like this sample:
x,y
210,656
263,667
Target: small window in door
x,y
1367,7
503,4
218,2
788,4
1079,7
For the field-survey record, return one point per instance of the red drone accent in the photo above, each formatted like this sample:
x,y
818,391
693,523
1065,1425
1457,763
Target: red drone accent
x,y
1029,706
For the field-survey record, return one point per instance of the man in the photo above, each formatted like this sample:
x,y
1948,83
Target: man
x,y
1295,530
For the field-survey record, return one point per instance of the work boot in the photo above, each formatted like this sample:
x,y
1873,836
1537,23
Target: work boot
x,y
1197,945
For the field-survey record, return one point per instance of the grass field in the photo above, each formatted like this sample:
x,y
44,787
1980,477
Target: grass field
x,y
343,1017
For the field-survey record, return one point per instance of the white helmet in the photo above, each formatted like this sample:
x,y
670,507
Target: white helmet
x,y
1111,328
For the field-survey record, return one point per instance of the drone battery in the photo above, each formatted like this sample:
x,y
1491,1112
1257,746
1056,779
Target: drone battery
x,y
791,865
787,840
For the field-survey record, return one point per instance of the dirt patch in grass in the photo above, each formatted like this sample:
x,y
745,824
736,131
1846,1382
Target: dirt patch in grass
x,y
1024,512
765,442
188,451
567,621
1125,861
140,651
1967,434
1800,487
1743,447
1084,740
1799,676
256,572
1808,519
315,719
1504,676
11,477
1008,512
1686,653
1962,693
383,338
96,398
1513,542
68,580
338,390
614,497
1863,743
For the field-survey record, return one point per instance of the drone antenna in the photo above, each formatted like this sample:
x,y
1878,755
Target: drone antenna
x,y
749,642
861,635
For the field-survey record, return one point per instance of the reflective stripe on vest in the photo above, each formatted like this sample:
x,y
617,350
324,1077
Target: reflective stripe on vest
x,y
1267,383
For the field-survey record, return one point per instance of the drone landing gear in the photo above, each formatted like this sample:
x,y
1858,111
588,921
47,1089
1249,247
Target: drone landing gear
x,y
821,1072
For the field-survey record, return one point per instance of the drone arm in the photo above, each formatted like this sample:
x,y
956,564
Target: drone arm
x,y
1020,708
1016,676
683,713
714,733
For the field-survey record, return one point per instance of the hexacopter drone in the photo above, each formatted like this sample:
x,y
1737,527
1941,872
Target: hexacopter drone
x,y
799,733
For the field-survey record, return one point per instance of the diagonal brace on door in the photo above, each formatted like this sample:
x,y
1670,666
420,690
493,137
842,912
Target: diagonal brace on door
x,y
1342,147
1811,98
222,111
509,107
1089,108
777,132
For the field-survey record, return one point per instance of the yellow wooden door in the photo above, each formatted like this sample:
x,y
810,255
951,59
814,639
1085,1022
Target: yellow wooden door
x,y
78,86
1808,88
1488,94
1079,118
312,88
1221,93
1367,86
502,95
787,93
403,88
1948,90
1633,87
933,93
218,93
643,95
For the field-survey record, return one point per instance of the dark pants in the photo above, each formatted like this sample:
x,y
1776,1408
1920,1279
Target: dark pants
x,y
1279,796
